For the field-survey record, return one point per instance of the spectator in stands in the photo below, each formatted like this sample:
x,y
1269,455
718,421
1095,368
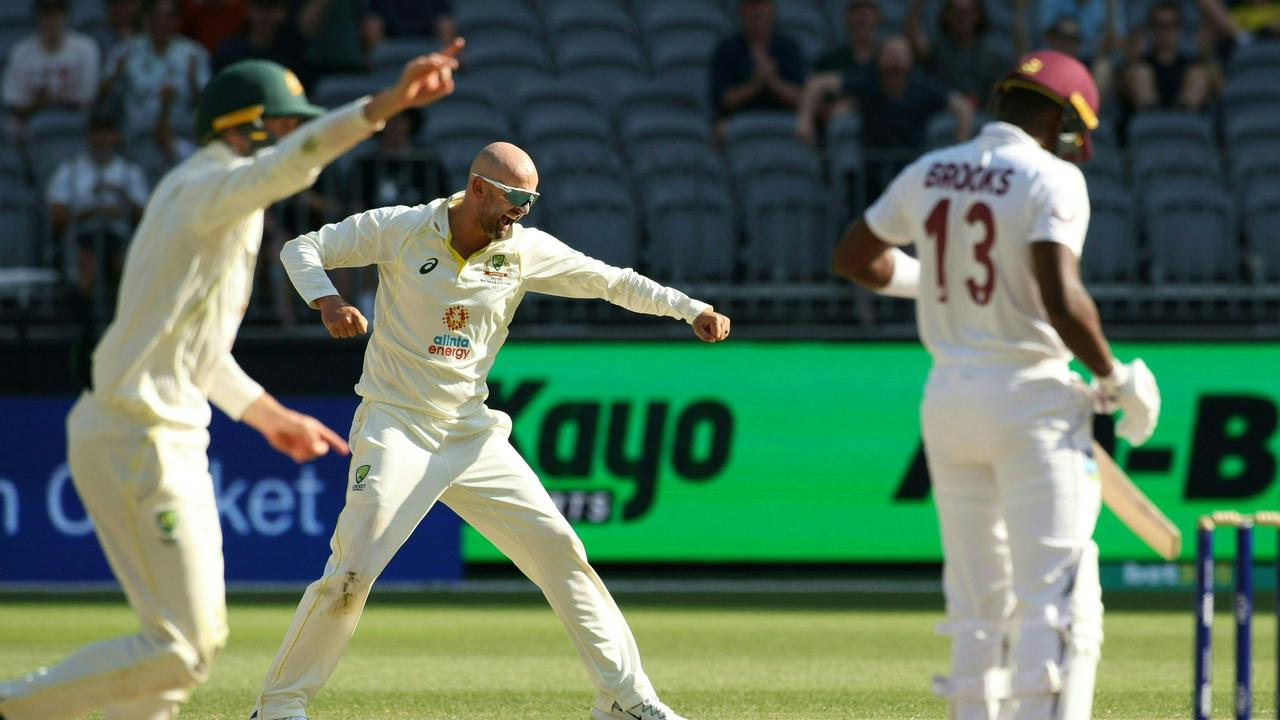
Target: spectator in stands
x,y
417,18
896,105
210,22
756,69
1065,37
398,172
123,21
858,54
961,53
339,34
54,68
143,66
95,200
1100,24
268,36
1166,76
1241,23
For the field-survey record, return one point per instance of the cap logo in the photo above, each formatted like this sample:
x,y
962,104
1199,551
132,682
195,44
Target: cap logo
x,y
292,82
1032,66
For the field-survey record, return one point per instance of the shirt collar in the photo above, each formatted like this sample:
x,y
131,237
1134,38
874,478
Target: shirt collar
x,y
440,219
1003,133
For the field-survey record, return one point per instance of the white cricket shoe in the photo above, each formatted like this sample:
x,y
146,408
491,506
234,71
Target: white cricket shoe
x,y
653,709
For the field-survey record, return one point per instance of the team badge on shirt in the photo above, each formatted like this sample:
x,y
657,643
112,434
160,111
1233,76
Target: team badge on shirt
x,y
497,271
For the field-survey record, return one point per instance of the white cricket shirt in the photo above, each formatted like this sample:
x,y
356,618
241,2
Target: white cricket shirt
x,y
972,210
189,271
439,319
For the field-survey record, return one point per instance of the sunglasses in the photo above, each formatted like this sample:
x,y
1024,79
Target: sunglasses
x,y
515,196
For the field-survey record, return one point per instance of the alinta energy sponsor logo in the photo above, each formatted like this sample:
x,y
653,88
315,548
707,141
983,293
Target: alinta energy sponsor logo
x,y
454,347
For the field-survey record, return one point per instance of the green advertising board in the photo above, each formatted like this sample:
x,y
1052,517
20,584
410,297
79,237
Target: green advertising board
x,y
808,451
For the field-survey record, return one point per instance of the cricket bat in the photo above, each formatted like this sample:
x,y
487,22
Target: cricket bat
x,y
1135,509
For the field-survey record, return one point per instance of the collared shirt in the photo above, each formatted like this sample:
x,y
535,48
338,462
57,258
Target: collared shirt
x,y
189,272
439,318
972,210
145,72
68,74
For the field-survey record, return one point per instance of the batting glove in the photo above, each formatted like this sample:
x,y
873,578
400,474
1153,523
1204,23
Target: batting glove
x,y
1132,390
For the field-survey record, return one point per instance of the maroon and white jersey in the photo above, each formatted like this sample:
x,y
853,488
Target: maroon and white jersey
x,y
972,211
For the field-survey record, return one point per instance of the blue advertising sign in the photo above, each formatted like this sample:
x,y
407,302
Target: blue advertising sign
x,y
276,515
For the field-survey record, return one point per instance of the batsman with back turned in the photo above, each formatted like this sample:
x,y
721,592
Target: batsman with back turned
x,y
999,225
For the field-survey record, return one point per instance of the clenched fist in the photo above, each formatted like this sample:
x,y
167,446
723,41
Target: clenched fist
x,y
711,326
340,318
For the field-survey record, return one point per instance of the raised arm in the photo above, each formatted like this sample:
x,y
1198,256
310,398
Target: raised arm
x,y
294,163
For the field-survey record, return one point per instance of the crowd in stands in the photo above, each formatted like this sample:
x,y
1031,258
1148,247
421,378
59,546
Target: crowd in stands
x,y
698,139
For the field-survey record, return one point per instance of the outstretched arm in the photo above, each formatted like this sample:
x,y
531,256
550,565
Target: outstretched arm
x,y
557,269
294,163
864,258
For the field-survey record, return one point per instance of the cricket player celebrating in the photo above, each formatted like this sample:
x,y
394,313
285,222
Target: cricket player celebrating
x,y
137,441
450,277
999,223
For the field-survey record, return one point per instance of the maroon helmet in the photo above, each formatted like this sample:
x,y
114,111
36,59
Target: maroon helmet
x,y
1068,82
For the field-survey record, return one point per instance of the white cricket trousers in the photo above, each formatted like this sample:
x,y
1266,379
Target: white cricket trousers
x,y
1017,497
151,498
469,464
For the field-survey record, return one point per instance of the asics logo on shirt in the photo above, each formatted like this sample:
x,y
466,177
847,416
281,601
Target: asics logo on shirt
x,y
428,266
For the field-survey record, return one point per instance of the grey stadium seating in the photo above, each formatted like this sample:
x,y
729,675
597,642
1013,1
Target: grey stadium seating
x,y
1261,222
1190,230
1110,250
691,234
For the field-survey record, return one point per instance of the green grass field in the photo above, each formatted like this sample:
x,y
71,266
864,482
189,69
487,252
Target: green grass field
x,y
711,656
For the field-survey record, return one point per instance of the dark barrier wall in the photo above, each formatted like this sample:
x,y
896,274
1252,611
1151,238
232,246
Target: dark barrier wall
x,y
277,516
747,451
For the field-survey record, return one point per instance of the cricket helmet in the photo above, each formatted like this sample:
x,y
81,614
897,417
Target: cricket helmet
x,y
245,92
1066,81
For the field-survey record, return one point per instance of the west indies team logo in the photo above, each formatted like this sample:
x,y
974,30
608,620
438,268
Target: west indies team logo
x,y
455,317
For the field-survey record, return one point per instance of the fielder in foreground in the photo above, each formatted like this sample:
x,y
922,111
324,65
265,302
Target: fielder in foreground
x,y
137,441
999,223
450,277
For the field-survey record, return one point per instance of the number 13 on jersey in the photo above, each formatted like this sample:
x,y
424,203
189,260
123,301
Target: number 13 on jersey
x,y
936,227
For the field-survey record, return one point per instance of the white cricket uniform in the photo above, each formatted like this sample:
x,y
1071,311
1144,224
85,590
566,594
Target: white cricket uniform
x,y
137,441
1006,425
423,432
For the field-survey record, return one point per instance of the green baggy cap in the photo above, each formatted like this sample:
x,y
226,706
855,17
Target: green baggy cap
x,y
249,90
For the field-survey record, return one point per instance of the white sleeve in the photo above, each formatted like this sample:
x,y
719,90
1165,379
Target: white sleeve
x,y
88,71
367,238
289,167
231,389
15,90
136,186
889,217
1060,208
557,269
59,191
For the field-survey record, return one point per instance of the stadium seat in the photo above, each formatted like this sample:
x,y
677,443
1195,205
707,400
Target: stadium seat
x,y
598,219
503,70
53,136
1162,126
804,21
510,16
1251,91
1174,157
17,217
787,218
555,97
649,97
332,91
1111,247
1107,161
1262,231
569,136
1262,58
691,236
457,137
645,135
681,171
586,16
681,60
464,103
1190,230
603,69
389,56
844,159
746,129
698,22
